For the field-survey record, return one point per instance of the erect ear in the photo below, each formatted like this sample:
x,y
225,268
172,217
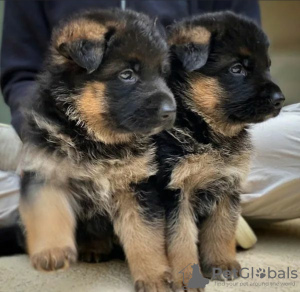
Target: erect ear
x,y
87,54
191,46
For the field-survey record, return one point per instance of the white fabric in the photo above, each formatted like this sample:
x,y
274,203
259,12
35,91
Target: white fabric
x,y
9,197
10,148
273,187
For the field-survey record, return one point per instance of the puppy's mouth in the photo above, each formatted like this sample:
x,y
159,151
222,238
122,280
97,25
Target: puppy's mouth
x,y
156,130
276,113
140,128
263,117
251,113
161,128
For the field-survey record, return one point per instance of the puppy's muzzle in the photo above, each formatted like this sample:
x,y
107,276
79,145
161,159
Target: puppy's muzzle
x,y
277,99
166,113
274,97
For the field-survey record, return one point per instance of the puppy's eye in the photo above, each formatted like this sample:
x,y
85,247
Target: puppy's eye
x,y
127,76
238,69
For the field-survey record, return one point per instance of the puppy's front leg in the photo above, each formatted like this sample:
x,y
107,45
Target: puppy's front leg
x,y
49,222
182,244
144,244
217,246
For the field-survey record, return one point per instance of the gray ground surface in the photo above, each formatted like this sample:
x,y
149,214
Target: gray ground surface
x,y
278,248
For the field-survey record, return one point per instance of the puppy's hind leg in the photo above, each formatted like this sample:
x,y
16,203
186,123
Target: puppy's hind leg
x,y
95,251
49,223
217,245
95,239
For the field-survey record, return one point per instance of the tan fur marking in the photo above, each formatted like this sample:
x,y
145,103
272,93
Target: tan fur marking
x,y
75,30
183,35
81,29
217,237
206,92
49,222
195,171
182,244
205,96
216,240
92,108
110,177
144,244
120,173
245,51
55,136
132,171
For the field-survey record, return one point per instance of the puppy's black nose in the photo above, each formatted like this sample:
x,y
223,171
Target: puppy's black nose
x,y
277,99
167,109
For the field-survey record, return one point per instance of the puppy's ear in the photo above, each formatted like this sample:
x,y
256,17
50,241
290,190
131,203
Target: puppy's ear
x,y
87,54
83,42
192,56
190,45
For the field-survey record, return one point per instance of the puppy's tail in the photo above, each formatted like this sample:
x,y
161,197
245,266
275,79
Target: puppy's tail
x,y
12,240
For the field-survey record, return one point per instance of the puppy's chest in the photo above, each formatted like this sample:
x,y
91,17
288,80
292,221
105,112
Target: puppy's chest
x,y
92,183
101,186
119,175
200,171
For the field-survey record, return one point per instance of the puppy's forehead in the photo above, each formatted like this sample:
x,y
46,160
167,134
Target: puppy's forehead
x,y
144,46
234,34
144,40
244,35
188,33
130,31
246,42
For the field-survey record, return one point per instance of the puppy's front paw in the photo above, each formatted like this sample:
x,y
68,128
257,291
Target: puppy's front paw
x,y
216,271
161,284
54,259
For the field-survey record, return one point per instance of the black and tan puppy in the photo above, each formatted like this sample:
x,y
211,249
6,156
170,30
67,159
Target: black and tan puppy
x,y
87,151
221,82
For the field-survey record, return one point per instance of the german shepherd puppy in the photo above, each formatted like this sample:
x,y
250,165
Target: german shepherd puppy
x,y
87,150
220,77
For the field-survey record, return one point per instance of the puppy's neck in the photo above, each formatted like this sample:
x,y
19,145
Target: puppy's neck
x,y
198,119
222,128
203,96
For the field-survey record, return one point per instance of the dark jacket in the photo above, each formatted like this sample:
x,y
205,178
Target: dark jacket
x,y
28,24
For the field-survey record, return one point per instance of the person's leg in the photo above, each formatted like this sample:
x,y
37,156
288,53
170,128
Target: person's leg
x,y
272,191
9,198
10,148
